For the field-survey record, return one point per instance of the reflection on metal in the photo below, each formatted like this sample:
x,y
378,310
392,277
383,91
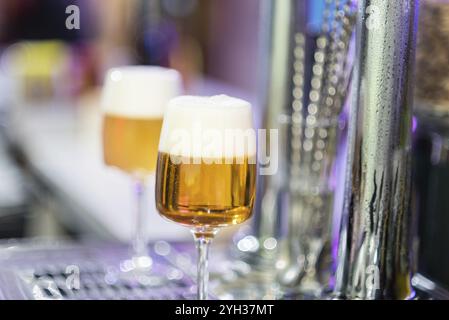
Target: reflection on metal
x,y
318,95
374,249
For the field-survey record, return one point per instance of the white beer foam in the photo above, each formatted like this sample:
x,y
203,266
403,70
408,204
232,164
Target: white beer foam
x,y
208,127
139,91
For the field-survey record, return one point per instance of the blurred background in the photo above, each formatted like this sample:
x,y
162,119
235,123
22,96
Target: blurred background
x,y
53,182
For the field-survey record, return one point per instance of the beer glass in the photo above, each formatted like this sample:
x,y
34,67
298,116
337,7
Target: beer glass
x,y
133,104
206,170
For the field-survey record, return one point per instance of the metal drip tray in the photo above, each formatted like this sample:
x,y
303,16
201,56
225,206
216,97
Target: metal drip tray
x,y
61,271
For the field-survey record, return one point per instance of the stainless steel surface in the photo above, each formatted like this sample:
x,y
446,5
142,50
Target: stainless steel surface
x,y
48,270
374,249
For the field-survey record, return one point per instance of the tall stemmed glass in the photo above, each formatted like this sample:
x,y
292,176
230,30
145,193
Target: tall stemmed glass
x,y
133,103
206,170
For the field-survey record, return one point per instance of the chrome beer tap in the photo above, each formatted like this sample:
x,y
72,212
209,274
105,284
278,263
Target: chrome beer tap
x,y
374,248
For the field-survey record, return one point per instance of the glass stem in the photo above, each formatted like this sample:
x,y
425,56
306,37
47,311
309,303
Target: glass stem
x,y
139,243
202,244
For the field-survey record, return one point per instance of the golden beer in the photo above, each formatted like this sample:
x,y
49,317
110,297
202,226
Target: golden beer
x,y
203,193
133,102
131,144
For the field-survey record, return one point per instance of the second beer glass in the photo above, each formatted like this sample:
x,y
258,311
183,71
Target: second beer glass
x,y
133,103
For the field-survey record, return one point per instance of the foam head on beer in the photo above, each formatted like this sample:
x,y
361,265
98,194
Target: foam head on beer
x,y
133,102
139,91
208,129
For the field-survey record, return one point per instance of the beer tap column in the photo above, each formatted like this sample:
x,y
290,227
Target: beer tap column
x,y
374,248
276,50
